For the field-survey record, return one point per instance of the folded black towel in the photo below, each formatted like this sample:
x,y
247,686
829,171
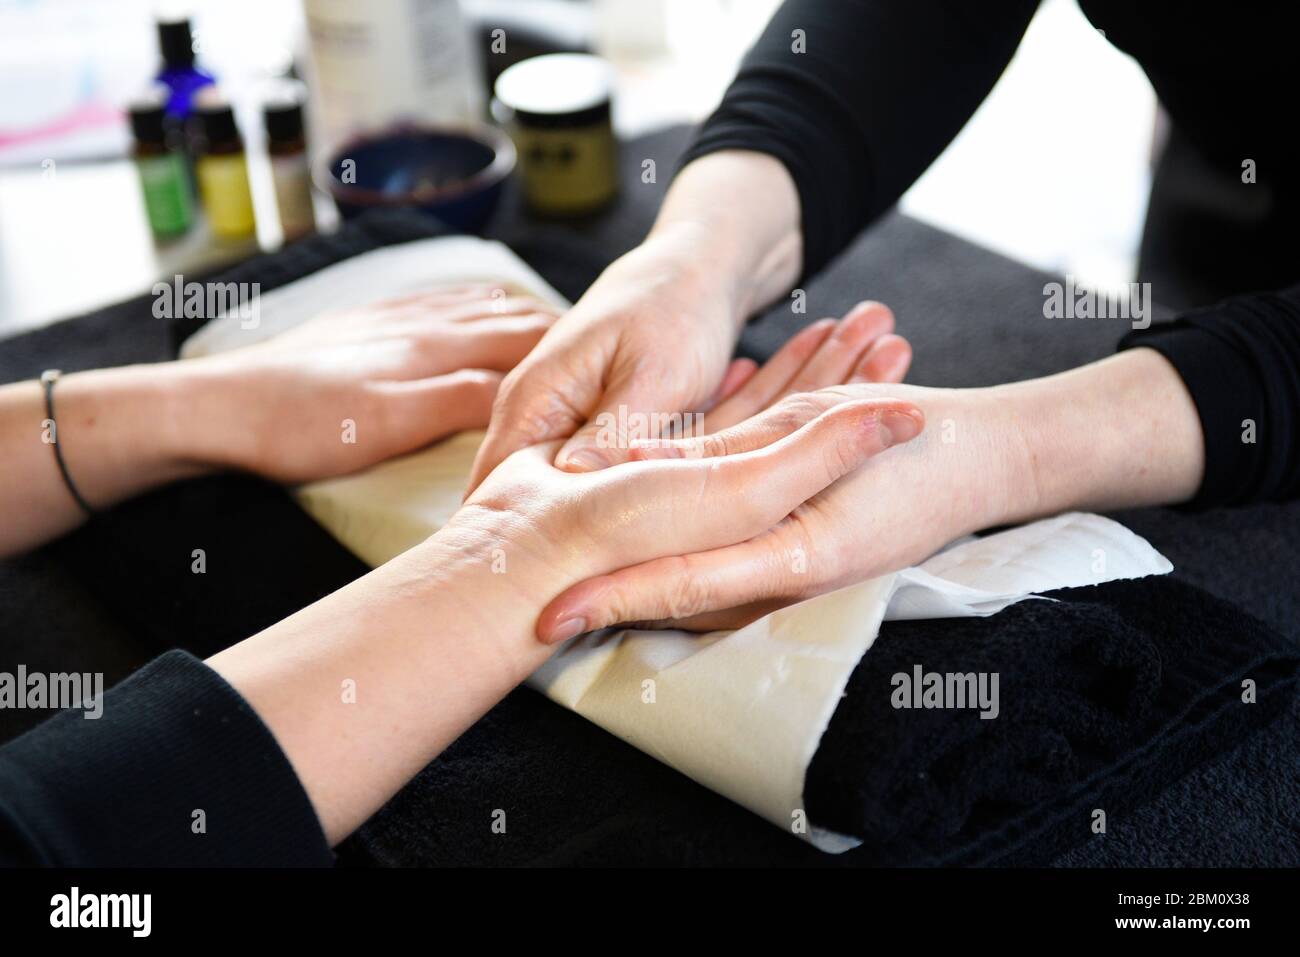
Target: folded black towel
x,y
1104,696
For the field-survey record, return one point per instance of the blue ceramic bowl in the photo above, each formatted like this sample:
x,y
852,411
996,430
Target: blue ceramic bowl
x,y
454,173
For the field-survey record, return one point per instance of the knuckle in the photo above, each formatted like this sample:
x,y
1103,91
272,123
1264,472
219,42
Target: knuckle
x,y
799,408
717,445
475,381
617,605
840,456
801,562
837,343
688,592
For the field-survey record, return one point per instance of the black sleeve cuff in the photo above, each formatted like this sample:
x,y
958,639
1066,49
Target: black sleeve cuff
x,y
125,789
1240,361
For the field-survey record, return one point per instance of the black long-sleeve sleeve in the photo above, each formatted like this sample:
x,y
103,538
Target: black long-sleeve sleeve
x,y
858,97
1240,360
178,770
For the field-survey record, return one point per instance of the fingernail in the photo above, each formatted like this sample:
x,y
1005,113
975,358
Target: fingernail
x,y
569,628
584,460
898,427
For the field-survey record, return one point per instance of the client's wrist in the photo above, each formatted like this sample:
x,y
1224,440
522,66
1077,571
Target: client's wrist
x,y
500,561
494,582
215,415
125,429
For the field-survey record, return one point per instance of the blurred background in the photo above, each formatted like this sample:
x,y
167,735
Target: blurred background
x,y
75,232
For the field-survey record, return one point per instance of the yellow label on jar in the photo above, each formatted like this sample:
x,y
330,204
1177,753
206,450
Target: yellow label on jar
x,y
223,184
568,171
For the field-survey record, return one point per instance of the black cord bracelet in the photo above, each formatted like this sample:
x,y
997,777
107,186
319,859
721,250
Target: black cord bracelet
x,y
48,378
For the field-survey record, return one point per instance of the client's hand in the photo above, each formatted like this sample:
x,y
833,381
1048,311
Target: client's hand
x,y
333,395
348,389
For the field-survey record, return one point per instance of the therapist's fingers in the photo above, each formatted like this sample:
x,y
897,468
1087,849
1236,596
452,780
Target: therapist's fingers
x,y
737,376
836,358
723,588
772,380
887,360
859,348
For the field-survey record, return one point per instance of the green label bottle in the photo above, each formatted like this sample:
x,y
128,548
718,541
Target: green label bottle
x,y
166,194
164,179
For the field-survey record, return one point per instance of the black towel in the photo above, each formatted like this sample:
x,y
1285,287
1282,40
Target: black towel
x,y
1104,696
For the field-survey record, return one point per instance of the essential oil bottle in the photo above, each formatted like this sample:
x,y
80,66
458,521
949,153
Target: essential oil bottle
x,y
286,145
178,71
222,168
164,177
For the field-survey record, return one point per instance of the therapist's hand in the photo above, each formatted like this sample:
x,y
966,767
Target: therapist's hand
x,y
1119,433
888,513
653,336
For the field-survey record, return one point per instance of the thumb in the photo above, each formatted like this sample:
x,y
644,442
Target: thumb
x,y
670,589
631,408
529,409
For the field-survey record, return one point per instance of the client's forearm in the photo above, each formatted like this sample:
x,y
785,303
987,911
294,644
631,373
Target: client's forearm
x,y
119,435
1119,433
365,687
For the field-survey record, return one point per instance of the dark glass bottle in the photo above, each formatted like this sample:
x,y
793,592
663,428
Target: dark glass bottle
x,y
178,72
222,168
286,144
164,177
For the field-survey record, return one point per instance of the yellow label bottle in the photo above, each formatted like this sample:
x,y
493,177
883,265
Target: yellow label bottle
x,y
227,200
222,169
